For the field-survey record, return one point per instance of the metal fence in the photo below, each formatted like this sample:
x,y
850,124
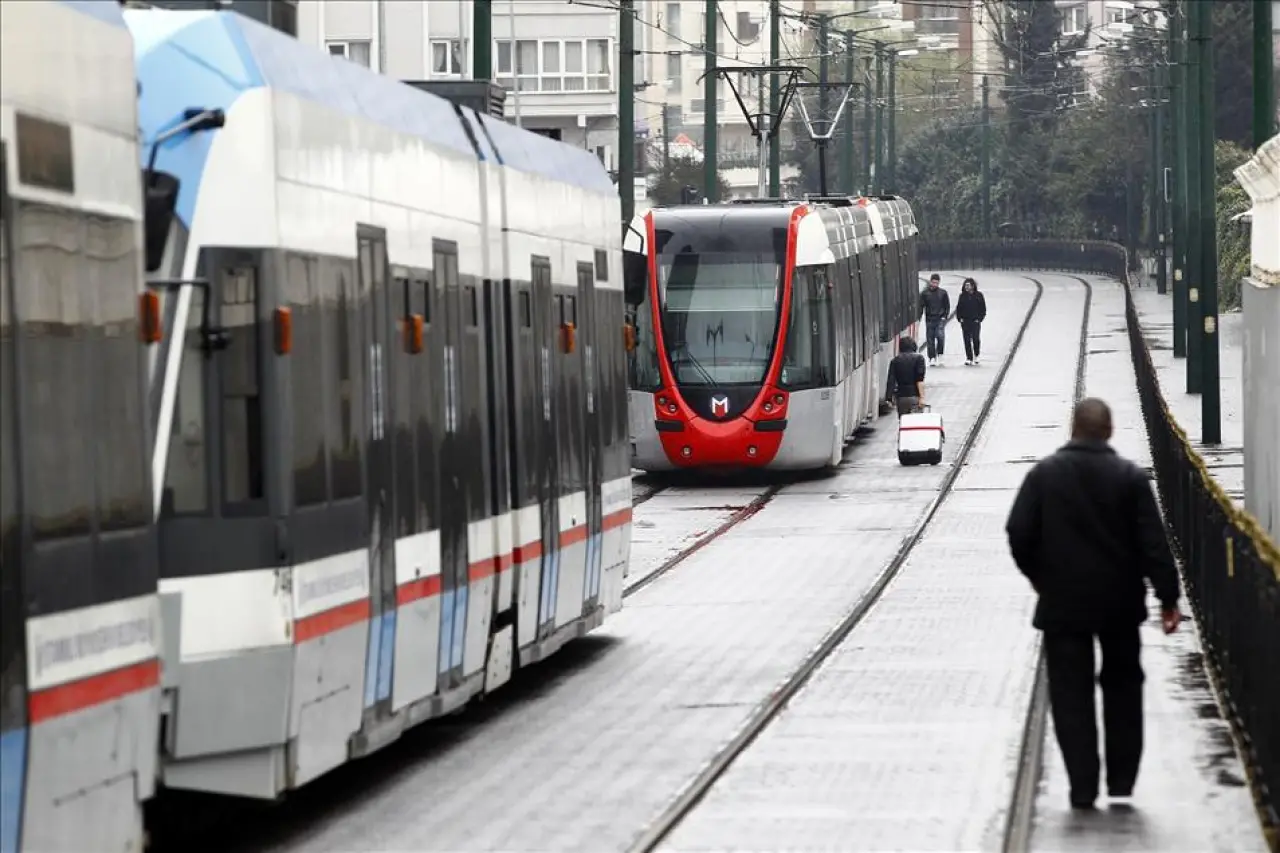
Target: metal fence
x,y
1230,565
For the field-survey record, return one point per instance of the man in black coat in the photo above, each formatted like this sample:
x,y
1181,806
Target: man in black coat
x,y
935,305
1087,533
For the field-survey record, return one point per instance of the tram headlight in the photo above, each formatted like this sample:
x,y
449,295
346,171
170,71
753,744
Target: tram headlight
x,y
751,450
768,407
778,399
686,451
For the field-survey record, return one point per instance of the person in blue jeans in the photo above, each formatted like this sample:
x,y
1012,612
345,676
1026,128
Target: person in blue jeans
x,y
935,305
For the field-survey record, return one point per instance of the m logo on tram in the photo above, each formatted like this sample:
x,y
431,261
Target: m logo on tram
x,y
720,406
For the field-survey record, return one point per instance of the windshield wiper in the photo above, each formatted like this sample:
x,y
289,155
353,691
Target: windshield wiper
x,y
697,365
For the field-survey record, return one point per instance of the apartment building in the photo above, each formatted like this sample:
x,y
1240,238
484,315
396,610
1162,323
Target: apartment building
x,y
1108,22
558,61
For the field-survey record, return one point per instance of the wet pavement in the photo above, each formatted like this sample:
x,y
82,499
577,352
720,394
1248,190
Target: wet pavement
x,y
1225,461
1191,793
908,738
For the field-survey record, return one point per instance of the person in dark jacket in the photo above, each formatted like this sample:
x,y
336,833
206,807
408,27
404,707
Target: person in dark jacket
x,y
905,384
935,305
1085,530
971,310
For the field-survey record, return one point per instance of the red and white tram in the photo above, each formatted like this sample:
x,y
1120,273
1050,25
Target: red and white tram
x,y
763,329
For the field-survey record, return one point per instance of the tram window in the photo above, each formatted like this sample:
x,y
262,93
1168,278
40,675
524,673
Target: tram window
x,y
242,470
473,306
58,465
343,330
560,307
310,456
571,309
526,310
186,486
601,265
423,286
109,271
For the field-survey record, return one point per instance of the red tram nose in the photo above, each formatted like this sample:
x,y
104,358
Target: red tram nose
x,y
705,428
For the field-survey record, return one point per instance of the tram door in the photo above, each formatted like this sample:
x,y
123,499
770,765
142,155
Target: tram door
x,y
381,464
549,488
13,668
454,486
593,456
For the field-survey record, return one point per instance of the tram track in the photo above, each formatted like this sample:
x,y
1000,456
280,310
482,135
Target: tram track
x,y
740,515
1018,824
1023,801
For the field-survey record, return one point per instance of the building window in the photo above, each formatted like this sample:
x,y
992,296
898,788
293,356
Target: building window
x,y
673,20
446,58
1116,16
673,71
354,51
554,65
747,30
1074,20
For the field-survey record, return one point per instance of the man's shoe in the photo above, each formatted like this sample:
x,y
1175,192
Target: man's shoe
x,y
1081,803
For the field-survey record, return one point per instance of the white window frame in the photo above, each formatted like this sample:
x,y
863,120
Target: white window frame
x,y
344,50
454,59
1070,25
551,59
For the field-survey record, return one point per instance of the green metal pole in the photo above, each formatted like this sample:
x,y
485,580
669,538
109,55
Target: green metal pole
x,y
1210,380
879,120
1153,165
986,159
627,108
775,99
866,127
824,77
1178,131
1162,204
482,40
848,182
710,173
1195,202
1264,79
891,176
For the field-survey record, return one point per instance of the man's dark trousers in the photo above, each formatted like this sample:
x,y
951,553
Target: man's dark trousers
x,y
1070,660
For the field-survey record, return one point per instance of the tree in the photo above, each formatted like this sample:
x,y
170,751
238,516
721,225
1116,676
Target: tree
x,y
1233,71
667,182
1233,241
1040,83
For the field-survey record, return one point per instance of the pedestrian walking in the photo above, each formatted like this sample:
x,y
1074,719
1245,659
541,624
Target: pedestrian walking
x,y
971,310
905,385
1086,532
935,305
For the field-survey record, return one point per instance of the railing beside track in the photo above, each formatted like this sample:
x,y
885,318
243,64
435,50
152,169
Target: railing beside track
x,y
1230,566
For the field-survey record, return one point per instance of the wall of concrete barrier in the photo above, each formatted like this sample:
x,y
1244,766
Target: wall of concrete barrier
x,y
1260,177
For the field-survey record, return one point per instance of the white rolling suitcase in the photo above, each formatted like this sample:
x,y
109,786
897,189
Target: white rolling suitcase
x,y
920,438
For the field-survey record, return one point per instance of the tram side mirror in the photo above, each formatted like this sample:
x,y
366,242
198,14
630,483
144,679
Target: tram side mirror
x,y
568,337
414,333
629,337
634,277
160,199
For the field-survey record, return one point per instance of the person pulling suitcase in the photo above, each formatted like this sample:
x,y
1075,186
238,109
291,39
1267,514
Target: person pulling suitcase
x,y
905,385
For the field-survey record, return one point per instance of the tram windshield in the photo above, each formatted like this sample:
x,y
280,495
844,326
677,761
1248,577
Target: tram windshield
x,y
719,313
